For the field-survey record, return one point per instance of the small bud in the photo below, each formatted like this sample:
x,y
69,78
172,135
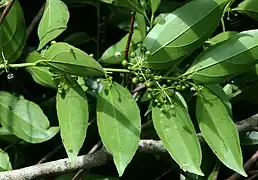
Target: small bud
x,y
92,55
124,63
133,55
118,54
147,53
53,42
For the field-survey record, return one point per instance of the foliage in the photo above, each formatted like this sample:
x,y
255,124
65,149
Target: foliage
x,y
184,59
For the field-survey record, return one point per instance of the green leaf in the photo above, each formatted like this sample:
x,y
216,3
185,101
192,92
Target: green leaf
x,y
77,39
219,131
5,164
154,5
115,53
119,124
181,34
12,34
226,60
221,37
53,22
219,92
141,23
249,7
73,116
24,119
131,4
174,126
68,59
40,74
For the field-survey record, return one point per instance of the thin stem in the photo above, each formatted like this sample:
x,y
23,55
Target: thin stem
x,y
117,70
166,78
126,50
3,66
6,10
35,21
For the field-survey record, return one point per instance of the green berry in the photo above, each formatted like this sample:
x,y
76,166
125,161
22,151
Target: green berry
x,y
149,96
124,63
147,53
149,89
159,105
53,42
149,84
169,81
135,80
98,80
60,91
133,54
172,106
156,101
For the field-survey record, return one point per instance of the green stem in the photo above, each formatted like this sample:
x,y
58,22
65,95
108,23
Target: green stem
x,y
117,70
167,78
2,66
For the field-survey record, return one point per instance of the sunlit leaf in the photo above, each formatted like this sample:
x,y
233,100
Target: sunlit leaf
x,y
182,34
5,164
68,59
53,22
73,115
119,124
176,130
24,119
225,60
219,131
40,74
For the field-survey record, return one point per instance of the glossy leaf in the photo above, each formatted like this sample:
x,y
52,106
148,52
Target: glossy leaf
x,y
40,74
174,126
68,59
249,7
221,37
182,34
53,22
12,34
119,124
115,53
73,116
141,24
24,119
219,131
5,164
226,60
134,5
220,93
154,5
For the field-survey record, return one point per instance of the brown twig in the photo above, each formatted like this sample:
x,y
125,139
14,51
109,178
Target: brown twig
x,y
98,158
127,47
94,149
50,154
6,10
35,21
247,166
